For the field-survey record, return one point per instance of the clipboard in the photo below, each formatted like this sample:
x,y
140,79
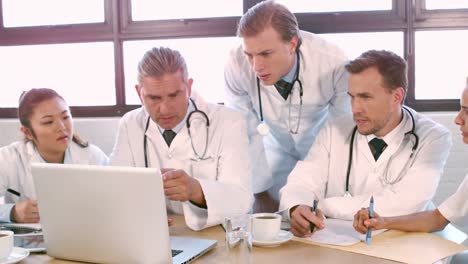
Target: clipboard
x,y
20,229
406,247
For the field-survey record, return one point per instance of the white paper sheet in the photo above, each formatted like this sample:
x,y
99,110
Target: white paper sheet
x,y
340,233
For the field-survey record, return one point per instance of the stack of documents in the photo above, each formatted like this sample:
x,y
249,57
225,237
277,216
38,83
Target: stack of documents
x,y
19,229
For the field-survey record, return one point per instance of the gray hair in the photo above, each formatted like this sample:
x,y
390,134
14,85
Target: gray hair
x,y
160,61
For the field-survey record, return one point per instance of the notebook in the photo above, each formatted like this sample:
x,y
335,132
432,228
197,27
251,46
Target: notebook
x,y
108,214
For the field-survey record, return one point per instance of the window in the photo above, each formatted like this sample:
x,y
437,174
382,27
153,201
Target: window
x,y
92,47
446,4
82,73
336,5
205,58
353,44
441,74
21,13
163,9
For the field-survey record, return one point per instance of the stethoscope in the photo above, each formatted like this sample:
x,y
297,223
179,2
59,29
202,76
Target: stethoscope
x,y
198,157
385,179
263,129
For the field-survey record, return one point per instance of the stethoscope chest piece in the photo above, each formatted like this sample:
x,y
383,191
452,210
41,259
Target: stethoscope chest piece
x,y
263,129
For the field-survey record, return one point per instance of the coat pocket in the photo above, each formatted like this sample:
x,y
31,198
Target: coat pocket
x,y
205,169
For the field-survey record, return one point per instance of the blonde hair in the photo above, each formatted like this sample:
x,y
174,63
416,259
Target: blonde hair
x,y
269,14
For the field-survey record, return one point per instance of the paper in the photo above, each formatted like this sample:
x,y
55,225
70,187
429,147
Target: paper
x,y
32,226
407,247
340,233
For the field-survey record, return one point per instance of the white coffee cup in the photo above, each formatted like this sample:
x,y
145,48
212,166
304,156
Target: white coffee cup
x,y
6,244
265,226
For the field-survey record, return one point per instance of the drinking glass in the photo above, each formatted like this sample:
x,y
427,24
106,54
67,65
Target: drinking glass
x,y
239,238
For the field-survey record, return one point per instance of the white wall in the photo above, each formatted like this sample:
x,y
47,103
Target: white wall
x,y
98,131
456,168
102,132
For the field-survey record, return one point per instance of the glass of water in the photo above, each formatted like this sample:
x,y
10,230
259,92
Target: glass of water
x,y
239,238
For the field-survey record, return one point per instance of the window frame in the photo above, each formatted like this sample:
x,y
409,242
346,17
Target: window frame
x,y
405,16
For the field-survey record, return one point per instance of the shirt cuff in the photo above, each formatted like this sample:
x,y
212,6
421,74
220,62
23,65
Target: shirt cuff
x,y
5,213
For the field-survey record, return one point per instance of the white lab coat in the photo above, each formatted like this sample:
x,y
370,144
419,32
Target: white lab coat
x,y
455,208
322,175
224,178
325,88
15,169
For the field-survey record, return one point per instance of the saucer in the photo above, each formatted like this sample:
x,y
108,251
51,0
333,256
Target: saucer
x,y
16,255
283,236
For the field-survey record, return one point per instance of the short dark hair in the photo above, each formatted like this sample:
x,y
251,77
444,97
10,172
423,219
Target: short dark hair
x,y
269,13
392,67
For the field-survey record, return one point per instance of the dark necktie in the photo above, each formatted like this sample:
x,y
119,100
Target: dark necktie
x,y
377,146
168,136
283,88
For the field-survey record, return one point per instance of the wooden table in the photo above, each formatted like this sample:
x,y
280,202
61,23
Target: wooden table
x,y
289,252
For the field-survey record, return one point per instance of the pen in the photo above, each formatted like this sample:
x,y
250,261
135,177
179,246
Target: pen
x,y
13,192
17,194
371,214
314,209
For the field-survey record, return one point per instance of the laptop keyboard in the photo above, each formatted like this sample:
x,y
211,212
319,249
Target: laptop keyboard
x,y
176,252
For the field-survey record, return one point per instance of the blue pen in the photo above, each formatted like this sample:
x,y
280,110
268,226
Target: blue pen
x,y
314,209
371,214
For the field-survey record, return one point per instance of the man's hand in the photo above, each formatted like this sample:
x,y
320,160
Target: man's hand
x,y
301,216
179,186
25,212
362,221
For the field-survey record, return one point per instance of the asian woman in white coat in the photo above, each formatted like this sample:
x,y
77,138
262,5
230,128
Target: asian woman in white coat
x,y
282,122
200,148
47,125
343,170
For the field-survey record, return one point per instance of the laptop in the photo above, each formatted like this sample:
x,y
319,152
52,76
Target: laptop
x,y
108,214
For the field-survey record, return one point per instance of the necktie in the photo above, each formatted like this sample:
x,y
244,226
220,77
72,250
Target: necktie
x,y
283,88
168,136
377,146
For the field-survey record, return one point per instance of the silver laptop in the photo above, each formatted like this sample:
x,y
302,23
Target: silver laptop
x,y
108,214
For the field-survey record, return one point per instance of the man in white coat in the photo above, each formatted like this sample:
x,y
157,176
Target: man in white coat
x,y
287,82
385,150
453,210
199,147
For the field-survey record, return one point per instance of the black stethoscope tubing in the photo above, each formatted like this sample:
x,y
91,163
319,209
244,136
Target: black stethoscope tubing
x,y
205,116
296,79
351,146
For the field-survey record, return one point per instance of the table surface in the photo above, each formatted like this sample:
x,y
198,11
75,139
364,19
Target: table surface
x,y
294,251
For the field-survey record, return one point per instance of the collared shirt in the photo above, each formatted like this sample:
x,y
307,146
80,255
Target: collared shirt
x,y
394,136
66,159
290,76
